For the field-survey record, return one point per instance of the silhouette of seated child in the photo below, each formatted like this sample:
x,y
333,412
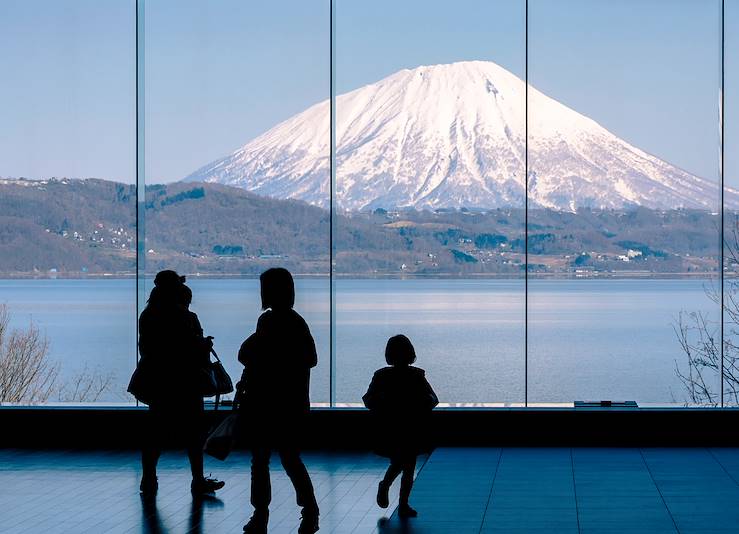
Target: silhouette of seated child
x,y
400,399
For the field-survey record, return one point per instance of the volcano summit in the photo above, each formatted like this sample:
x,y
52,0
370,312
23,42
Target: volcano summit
x,y
450,136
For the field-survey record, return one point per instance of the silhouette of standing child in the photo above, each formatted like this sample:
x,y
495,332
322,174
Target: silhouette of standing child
x,y
401,400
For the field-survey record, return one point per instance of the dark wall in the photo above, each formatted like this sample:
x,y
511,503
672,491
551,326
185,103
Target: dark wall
x,y
38,427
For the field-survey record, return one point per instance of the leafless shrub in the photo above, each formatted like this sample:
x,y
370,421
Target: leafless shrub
x,y
27,374
700,340
696,335
88,385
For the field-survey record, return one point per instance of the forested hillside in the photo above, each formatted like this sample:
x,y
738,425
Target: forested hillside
x,y
87,227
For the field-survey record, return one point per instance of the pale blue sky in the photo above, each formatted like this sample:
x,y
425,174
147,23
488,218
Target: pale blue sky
x,y
220,72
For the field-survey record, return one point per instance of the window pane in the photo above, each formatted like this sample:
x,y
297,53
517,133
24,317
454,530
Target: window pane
x,y
67,198
624,198
430,193
228,194
731,214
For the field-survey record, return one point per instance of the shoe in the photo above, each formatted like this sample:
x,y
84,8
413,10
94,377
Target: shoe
x,y
257,523
308,521
406,511
383,497
149,486
205,486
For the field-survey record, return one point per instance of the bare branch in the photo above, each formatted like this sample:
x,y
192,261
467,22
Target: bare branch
x,y
29,376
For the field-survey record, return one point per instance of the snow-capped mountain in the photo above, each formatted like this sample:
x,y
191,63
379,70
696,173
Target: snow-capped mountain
x,y
453,136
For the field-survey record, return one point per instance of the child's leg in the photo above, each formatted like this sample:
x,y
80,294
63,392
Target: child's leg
x,y
406,482
395,468
383,489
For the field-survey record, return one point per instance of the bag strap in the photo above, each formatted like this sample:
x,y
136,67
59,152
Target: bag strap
x,y
218,395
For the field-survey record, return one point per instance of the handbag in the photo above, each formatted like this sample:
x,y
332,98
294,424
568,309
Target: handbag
x,y
215,380
141,385
220,442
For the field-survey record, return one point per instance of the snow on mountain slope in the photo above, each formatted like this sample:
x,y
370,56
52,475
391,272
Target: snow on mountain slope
x,y
452,136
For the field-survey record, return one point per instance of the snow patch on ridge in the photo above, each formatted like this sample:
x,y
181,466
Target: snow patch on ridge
x,y
452,135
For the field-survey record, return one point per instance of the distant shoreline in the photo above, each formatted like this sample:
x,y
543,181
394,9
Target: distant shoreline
x,y
389,276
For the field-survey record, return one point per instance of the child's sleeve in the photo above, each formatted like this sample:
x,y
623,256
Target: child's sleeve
x,y
430,395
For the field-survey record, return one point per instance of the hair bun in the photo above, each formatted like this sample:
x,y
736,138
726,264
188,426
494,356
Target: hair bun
x,y
168,278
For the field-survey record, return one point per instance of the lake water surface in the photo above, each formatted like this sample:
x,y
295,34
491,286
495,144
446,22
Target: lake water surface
x,y
587,339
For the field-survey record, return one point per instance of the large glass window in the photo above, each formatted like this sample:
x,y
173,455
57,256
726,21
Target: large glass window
x,y
730,159
429,193
538,244
624,198
237,171
67,200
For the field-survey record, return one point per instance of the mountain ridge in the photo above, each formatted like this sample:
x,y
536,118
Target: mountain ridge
x,y
451,136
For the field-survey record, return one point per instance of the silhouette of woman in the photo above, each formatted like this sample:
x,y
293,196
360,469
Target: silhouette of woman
x,y
274,397
401,399
172,343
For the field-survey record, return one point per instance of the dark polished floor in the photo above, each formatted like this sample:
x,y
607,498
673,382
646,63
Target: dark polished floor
x,y
540,490
97,492
587,490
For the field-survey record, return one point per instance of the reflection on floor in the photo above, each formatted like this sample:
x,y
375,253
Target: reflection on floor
x,y
97,492
604,491
514,490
